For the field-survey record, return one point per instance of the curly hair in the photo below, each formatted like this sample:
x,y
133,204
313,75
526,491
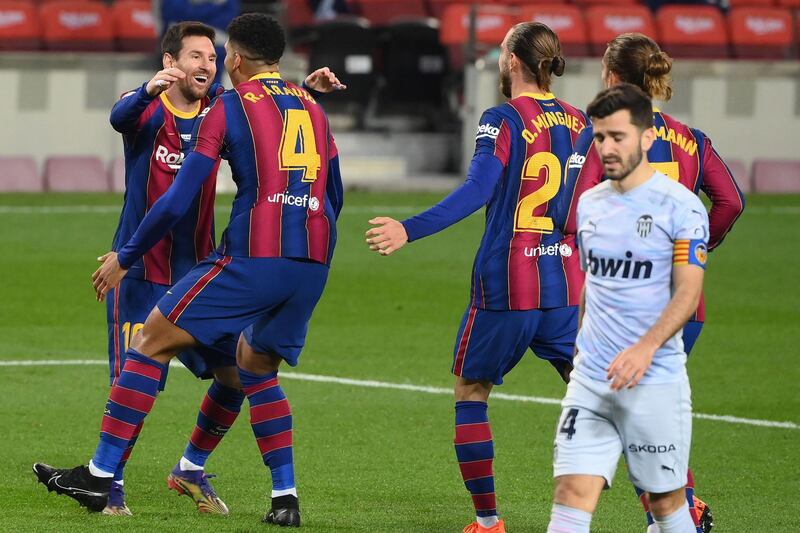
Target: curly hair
x,y
259,35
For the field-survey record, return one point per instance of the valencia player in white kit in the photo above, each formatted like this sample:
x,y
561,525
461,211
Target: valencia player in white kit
x,y
643,241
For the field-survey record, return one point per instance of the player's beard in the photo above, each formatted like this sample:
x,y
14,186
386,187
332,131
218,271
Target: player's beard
x,y
505,82
626,167
191,92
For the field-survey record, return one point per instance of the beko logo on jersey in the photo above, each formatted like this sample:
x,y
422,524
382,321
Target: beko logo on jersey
x,y
576,160
609,267
290,199
487,130
563,250
171,159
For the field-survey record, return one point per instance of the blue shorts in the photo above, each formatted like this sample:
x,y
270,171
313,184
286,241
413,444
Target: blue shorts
x,y
267,299
128,306
691,331
490,343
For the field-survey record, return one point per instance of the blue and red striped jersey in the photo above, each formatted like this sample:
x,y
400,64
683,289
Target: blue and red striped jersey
x,y
524,261
684,154
286,167
156,138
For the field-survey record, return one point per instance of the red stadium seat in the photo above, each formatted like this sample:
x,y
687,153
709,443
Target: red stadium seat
x,y
491,25
565,20
75,174
606,22
298,14
116,170
791,4
750,3
18,174
606,2
774,176
692,31
740,173
134,26
77,25
19,26
382,12
438,7
762,32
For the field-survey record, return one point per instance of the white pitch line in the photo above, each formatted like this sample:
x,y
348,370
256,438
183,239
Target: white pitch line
x,y
404,387
348,210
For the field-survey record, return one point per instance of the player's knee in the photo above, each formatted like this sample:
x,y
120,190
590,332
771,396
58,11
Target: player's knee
x,y
255,362
467,390
666,503
227,376
578,492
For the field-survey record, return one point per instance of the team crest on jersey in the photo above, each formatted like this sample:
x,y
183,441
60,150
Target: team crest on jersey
x,y
701,254
487,130
644,225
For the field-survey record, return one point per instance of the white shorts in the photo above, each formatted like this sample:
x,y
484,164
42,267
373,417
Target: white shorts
x,y
650,424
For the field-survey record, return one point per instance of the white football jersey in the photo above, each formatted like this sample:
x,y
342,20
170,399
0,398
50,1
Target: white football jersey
x,y
628,244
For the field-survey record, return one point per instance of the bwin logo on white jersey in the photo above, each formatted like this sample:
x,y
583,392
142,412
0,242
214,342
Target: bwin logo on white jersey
x,y
576,160
487,130
171,159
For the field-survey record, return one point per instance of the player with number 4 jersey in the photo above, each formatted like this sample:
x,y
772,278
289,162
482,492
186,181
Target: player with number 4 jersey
x,y
526,277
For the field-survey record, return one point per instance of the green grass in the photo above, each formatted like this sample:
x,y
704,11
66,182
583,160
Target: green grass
x,y
375,459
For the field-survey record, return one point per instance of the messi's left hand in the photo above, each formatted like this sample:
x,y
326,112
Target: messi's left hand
x,y
324,81
387,236
108,275
628,367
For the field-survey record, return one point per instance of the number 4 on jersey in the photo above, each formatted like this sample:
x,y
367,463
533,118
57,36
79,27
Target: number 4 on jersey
x,y
568,426
298,145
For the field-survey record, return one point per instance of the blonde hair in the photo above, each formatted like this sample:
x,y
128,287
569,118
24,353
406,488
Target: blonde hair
x,y
637,59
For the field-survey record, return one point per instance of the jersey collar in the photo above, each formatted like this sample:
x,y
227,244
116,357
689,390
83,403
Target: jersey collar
x,y
266,75
539,96
177,112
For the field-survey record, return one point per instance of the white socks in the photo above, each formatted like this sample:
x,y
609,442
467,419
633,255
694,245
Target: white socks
x,y
487,521
678,522
565,519
284,492
186,464
96,472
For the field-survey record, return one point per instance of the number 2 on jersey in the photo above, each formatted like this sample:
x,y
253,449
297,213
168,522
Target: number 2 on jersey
x,y
298,145
524,217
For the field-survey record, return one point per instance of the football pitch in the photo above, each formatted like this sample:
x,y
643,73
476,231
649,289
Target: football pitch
x,y
372,399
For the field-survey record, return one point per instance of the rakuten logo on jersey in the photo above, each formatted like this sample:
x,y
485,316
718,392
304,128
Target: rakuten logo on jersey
x,y
311,203
564,250
576,160
171,159
487,130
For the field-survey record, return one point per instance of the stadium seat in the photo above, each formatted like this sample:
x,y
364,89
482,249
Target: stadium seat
x,y
692,31
776,176
740,173
116,170
492,22
415,66
438,7
606,2
605,22
18,174
791,4
750,3
382,12
75,174
134,26
566,20
19,26
77,25
762,32
347,45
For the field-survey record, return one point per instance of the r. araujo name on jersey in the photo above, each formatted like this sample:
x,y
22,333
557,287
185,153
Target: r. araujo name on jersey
x,y
628,245
524,261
